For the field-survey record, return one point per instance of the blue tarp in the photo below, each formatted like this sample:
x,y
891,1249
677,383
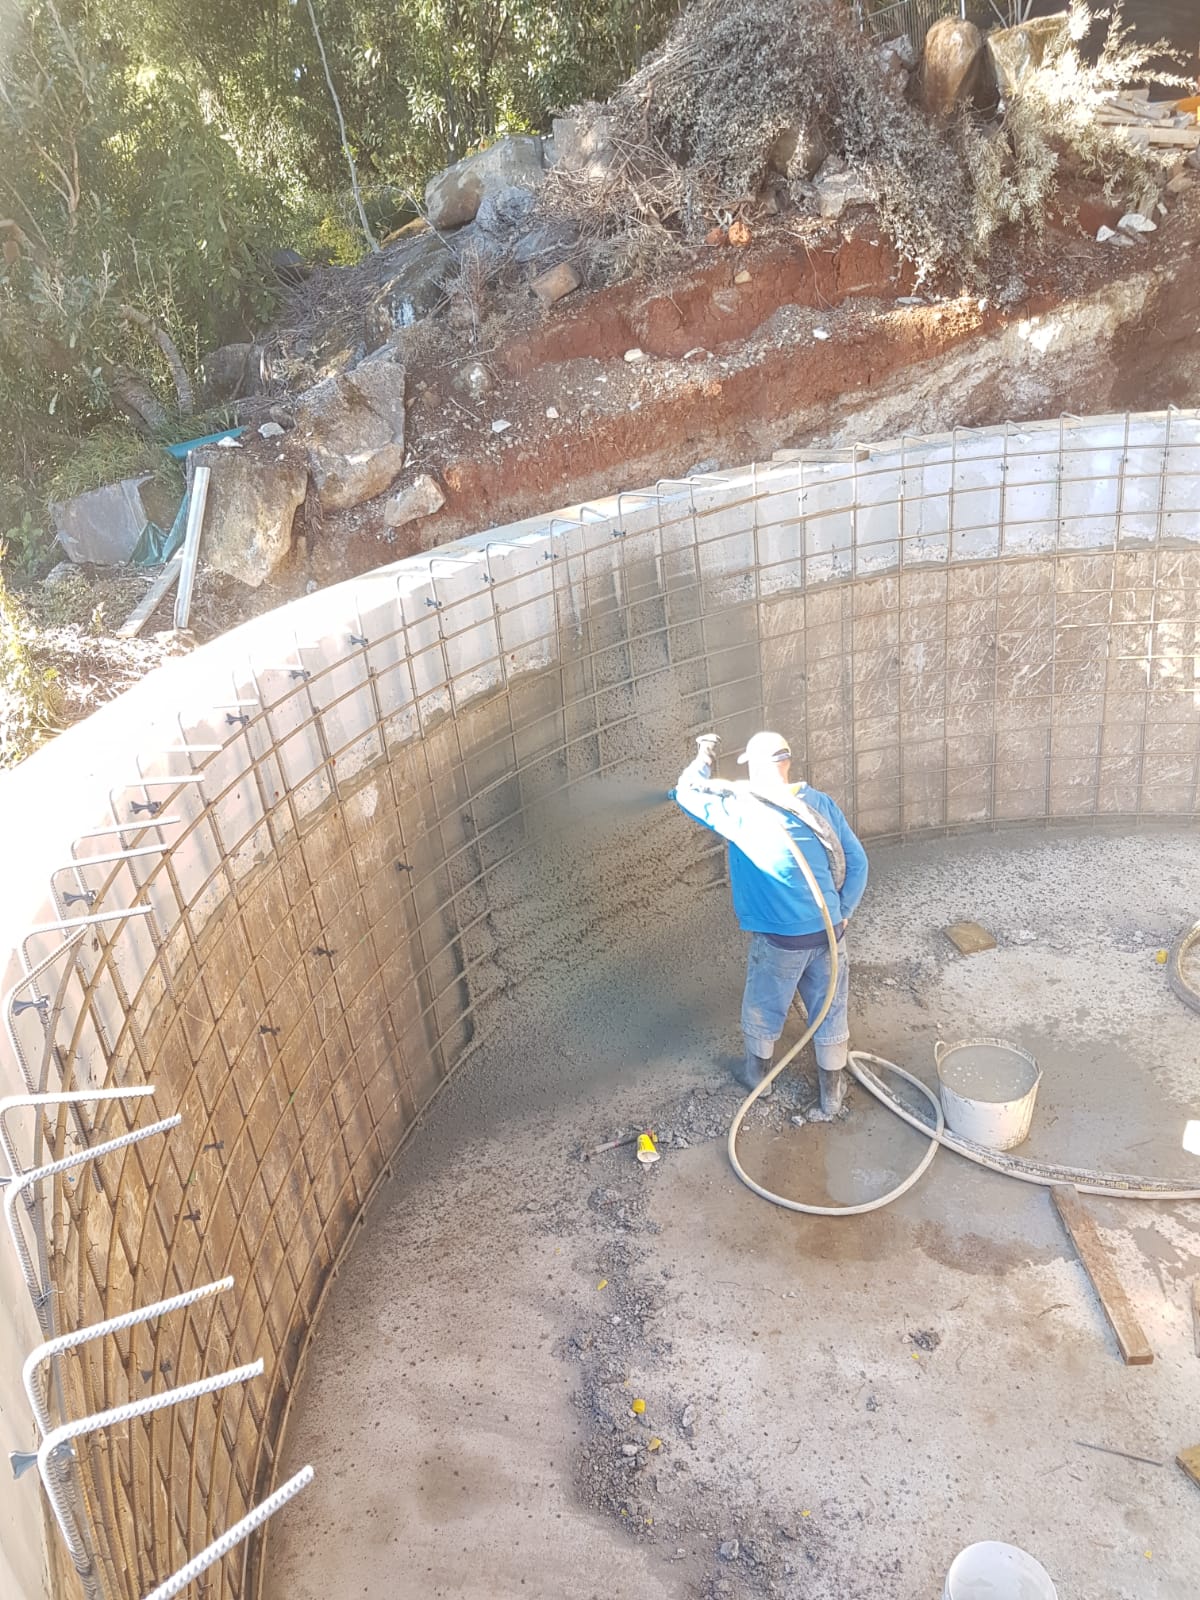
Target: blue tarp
x,y
154,547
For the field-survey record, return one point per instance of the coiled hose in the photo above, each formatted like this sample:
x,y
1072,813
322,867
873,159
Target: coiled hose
x,y
862,1063
1183,948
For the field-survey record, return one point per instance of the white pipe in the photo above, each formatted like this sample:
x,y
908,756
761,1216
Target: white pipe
x,y
191,546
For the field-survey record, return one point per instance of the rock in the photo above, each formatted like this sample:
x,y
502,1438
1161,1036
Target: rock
x,y
414,288
716,236
837,187
904,50
545,239
956,70
729,1549
739,234
583,143
630,1449
503,210
248,520
269,430
475,381
798,152
635,355
741,277
454,196
352,426
289,266
1181,183
894,68
1134,223
501,425
230,373
1016,52
552,286
420,498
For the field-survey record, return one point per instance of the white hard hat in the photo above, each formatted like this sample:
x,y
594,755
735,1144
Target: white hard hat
x,y
765,748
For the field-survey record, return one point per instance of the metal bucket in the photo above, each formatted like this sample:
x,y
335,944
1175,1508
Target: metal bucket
x,y
994,1571
988,1089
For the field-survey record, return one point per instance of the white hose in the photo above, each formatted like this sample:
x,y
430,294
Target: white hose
x,y
1118,1185
1047,1174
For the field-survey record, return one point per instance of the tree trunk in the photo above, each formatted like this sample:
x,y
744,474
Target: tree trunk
x,y
164,341
346,151
137,400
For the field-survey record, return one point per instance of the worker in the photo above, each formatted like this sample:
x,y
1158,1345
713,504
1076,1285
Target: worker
x,y
789,948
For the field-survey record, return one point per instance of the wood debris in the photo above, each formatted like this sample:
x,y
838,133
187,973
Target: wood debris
x,y
1160,124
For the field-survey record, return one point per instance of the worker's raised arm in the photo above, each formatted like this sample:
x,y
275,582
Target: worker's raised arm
x,y
706,798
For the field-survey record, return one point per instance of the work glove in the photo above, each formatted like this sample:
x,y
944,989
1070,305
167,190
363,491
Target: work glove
x,y
706,753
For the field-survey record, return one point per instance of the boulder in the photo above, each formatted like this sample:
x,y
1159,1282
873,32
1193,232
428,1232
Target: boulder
x,y
1015,52
502,211
545,239
290,267
352,426
454,196
838,187
904,50
420,498
956,69
414,287
230,373
582,143
896,62
798,152
248,518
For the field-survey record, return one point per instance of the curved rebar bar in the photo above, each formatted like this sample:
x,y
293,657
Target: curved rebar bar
x,y
232,1536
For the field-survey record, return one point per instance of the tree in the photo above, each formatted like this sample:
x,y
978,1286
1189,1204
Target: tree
x,y
127,230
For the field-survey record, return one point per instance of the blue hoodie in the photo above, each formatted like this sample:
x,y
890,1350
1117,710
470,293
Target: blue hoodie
x,y
769,891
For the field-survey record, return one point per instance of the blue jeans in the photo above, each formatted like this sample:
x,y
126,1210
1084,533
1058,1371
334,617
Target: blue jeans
x,y
772,978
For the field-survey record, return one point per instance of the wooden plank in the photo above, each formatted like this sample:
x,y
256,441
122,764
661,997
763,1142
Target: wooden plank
x,y
1097,1263
1189,1460
144,610
1183,138
1146,133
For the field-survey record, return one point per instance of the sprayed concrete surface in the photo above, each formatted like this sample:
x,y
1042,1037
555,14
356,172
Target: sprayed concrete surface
x,y
834,1408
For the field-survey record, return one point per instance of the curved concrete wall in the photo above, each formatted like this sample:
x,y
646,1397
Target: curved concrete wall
x,y
971,630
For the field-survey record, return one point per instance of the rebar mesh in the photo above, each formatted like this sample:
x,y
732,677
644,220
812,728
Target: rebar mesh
x,y
971,631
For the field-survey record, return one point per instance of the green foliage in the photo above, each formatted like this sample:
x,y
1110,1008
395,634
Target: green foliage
x,y
155,151
106,454
134,239
27,548
29,699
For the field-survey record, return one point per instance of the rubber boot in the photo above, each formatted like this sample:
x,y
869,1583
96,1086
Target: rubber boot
x,y
832,1086
751,1070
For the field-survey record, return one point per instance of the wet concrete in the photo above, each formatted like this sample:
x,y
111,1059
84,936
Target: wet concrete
x,y
839,1405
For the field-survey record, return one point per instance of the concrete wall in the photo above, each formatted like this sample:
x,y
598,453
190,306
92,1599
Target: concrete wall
x,y
979,629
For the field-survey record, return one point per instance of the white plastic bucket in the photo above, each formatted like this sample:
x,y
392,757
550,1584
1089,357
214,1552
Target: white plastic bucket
x,y
994,1571
988,1090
